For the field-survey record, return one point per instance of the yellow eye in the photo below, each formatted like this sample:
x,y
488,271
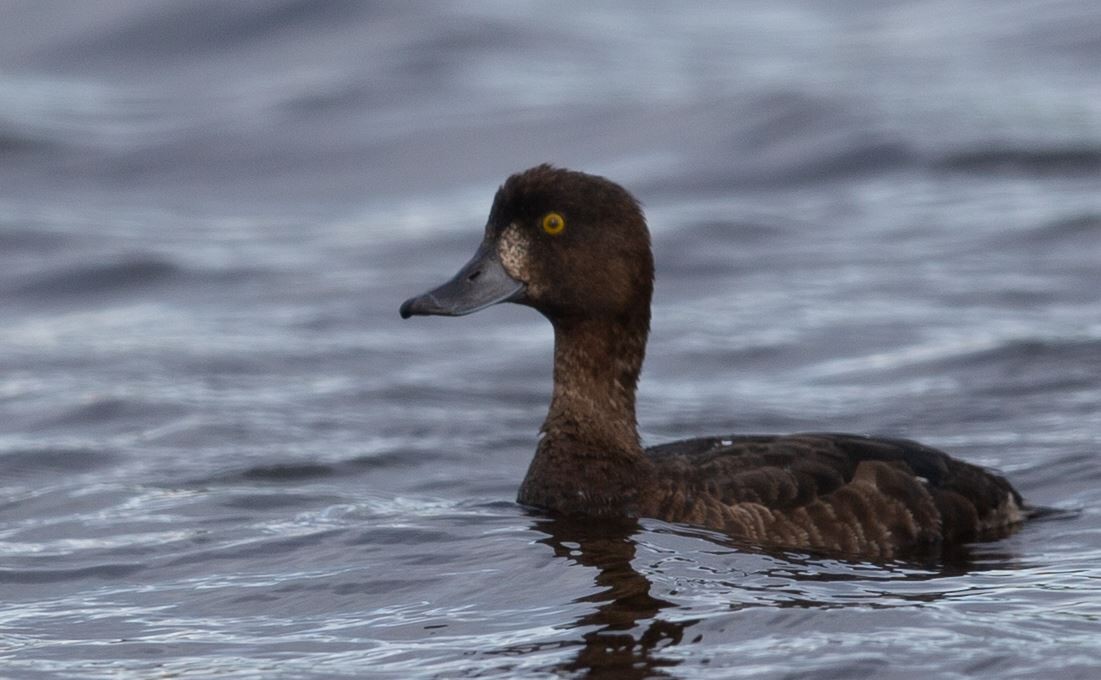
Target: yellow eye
x,y
553,223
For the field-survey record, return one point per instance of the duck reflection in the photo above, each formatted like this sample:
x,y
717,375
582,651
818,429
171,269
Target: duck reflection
x,y
629,634
626,631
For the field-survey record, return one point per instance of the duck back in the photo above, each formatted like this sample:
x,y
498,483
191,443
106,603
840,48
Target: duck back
x,y
834,492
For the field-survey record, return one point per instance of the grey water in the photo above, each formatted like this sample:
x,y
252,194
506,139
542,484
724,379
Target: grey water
x,y
222,453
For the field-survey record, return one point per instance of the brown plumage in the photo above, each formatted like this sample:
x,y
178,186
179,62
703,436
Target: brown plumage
x,y
593,280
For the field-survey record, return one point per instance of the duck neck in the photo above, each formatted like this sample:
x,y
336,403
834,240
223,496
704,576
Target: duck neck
x,y
589,460
596,369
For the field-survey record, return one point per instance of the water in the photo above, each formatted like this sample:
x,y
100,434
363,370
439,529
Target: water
x,y
224,455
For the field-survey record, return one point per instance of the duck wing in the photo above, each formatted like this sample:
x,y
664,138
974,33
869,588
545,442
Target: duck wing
x,y
835,492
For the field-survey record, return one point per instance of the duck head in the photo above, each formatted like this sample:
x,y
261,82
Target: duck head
x,y
571,245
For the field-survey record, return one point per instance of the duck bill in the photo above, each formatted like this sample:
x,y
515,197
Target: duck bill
x,y
482,282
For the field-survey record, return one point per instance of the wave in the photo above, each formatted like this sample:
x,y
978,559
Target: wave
x,y
1051,363
1072,229
1069,160
30,240
12,144
128,275
170,31
1042,356
828,159
28,461
293,472
100,571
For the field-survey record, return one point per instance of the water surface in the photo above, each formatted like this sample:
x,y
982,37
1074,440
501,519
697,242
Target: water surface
x,y
224,455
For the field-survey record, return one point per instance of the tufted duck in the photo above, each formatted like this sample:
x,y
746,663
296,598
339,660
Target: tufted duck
x,y
576,248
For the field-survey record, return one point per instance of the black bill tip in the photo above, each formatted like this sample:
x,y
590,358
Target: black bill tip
x,y
421,305
482,282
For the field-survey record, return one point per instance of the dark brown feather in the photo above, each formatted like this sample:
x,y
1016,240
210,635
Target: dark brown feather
x,y
833,492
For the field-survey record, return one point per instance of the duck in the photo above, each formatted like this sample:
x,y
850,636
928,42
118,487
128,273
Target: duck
x,y
576,248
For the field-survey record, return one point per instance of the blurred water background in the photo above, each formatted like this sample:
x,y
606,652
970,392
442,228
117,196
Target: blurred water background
x,y
222,454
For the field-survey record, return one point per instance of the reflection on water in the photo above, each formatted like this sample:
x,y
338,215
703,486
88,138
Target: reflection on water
x,y
630,631
623,634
